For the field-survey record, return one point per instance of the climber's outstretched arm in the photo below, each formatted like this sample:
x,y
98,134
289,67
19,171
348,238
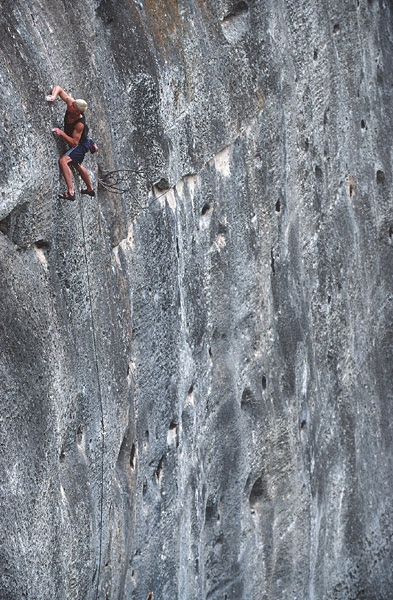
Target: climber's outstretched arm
x,y
59,92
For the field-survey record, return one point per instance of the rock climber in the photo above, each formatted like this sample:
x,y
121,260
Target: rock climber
x,y
75,134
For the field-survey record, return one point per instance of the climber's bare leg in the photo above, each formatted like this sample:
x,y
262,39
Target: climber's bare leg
x,y
83,172
64,164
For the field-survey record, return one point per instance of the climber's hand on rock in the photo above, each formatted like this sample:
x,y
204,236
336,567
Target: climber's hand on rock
x,y
56,131
50,98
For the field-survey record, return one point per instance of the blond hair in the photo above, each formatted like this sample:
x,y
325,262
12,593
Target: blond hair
x,y
81,105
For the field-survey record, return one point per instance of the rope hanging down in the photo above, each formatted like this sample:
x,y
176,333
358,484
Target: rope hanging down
x,y
119,181
114,180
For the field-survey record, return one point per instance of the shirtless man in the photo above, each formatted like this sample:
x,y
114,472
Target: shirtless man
x,y
75,135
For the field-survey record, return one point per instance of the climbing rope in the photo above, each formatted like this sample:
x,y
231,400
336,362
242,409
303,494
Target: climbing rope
x,y
118,182
100,400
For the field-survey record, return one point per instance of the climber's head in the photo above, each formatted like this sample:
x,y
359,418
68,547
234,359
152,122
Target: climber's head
x,y
81,105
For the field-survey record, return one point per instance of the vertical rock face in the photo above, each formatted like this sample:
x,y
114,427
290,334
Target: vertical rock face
x,y
196,376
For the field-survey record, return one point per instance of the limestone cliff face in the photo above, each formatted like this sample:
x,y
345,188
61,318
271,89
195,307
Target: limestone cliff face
x,y
196,376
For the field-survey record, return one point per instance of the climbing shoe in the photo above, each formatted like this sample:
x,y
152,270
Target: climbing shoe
x,y
89,192
67,196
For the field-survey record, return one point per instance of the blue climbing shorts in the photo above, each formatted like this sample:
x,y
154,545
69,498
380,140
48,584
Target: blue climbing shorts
x,y
77,154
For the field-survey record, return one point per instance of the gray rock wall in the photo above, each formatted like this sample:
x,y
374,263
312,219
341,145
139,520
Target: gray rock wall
x,y
196,376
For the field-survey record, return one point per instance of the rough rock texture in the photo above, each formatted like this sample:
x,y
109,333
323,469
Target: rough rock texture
x,y
196,376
